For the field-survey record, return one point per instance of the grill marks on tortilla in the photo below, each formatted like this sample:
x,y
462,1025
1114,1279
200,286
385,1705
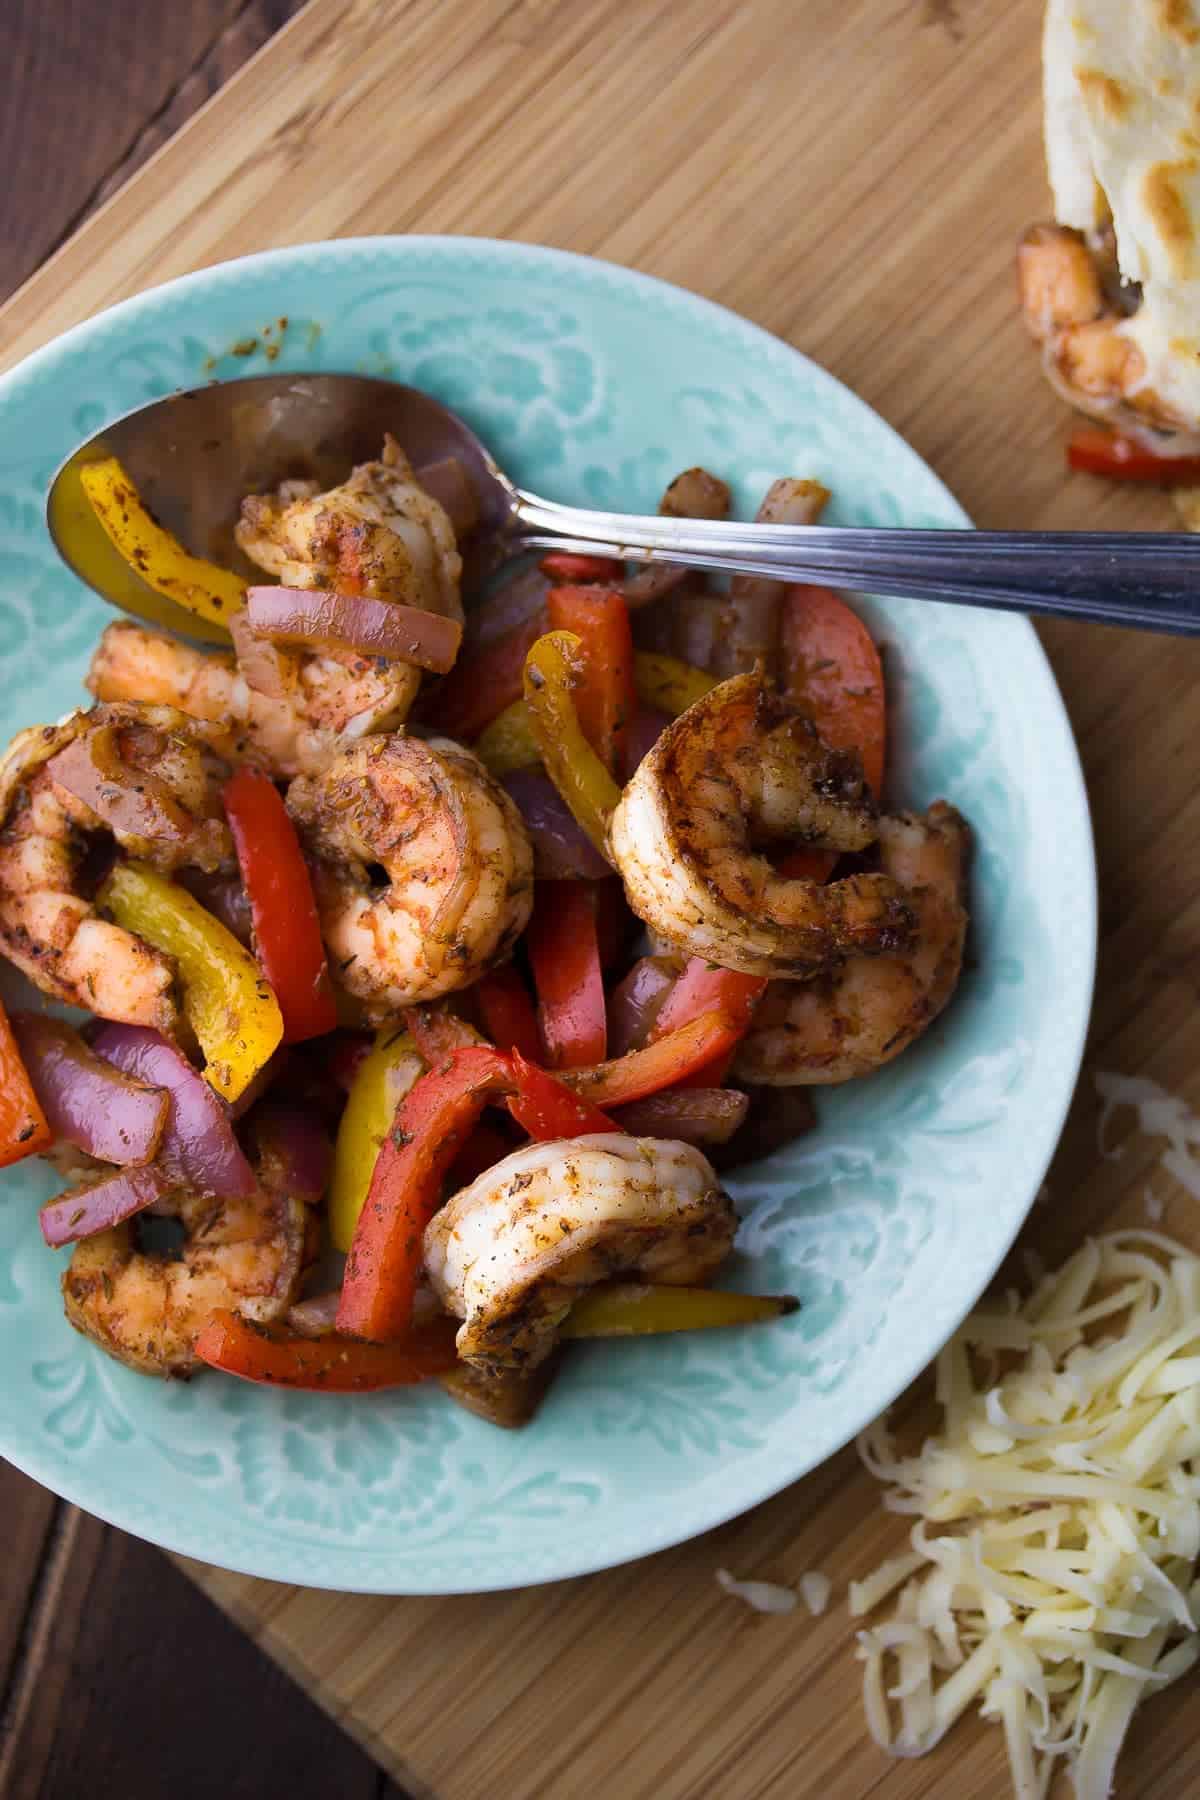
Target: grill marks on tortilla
x,y
1177,19
1111,96
1169,211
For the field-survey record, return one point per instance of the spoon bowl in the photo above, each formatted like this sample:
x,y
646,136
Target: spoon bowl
x,y
195,454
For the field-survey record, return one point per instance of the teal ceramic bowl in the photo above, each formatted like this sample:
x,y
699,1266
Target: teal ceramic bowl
x,y
593,385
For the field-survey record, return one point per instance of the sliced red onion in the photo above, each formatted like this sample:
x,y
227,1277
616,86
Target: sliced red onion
x,y
96,1206
295,1152
107,1114
223,896
636,1002
317,1316
198,1148
314,616
135,803
776,1116
510,605
562,851
693,1115
645,729
450,484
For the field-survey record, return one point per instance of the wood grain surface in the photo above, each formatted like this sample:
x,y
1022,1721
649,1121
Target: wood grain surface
x,y
89,1701
851,174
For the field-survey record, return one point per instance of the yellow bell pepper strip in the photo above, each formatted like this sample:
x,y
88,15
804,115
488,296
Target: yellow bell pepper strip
x,y
661,681
628,1309
226,998
668,683
198,586
383,1077
571,763
509,743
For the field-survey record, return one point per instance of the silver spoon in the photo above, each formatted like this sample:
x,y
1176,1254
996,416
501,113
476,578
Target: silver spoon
x,y
194,455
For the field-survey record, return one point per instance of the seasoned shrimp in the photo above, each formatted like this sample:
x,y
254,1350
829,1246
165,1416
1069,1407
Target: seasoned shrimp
x,y
147,1309
296,729
155,788
738,768
382,535
379,533
861,1015
1088,338
424,875
511,1252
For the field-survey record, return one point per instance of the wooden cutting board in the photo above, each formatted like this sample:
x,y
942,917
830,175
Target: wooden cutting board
x,y
851,174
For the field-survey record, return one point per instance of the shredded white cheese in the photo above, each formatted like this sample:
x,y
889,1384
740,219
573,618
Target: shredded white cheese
x,y
815,1589
1051,1579
1160,1114
762,1596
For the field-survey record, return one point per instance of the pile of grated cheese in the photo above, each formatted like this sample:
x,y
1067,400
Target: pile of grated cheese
x,y
1052,1575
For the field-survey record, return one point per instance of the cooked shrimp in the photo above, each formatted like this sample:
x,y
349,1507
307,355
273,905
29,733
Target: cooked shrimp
x,y
738,768
1089,345
425,872
748,628
157,786
863,1014
294,730
379,533
147,1309
509,1254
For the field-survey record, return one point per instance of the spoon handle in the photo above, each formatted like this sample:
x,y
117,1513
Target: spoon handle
x,y
1146,579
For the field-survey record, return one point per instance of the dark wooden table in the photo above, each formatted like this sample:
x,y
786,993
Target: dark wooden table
x,y
117,1677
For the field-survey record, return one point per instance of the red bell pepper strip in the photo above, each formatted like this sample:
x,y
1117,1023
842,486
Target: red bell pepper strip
x,y
565,954
569,566
328,1364
606,698
507,1012
546,1108
1094,451
833,672
23,1127
483,682
702,988
432,1123
661,1065
287,932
